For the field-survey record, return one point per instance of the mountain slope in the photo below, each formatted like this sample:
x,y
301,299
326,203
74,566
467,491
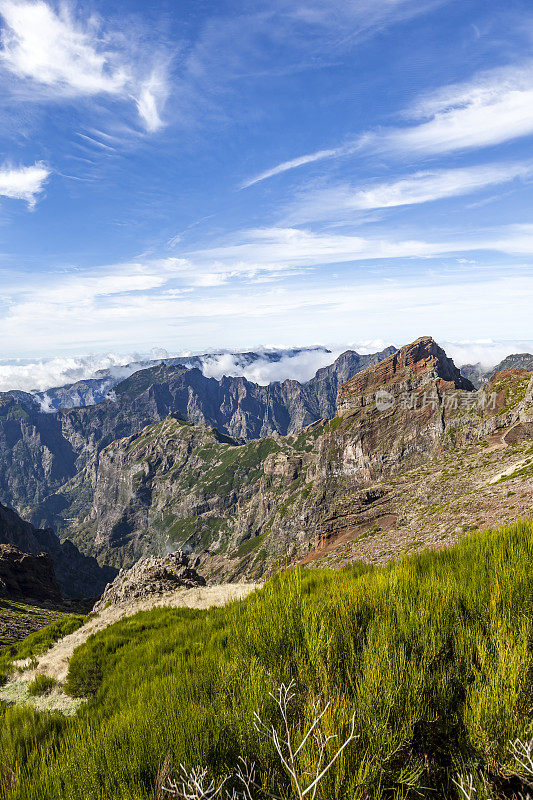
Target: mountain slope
x,y
514,361
78,575
411,443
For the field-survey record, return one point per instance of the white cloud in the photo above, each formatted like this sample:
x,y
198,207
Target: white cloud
x,y
23,183
284,248
69,58
515,240
341,310
278,251
53,49
494,107
301,161
300,367
42,374
153,93
135,304
421,187
486,352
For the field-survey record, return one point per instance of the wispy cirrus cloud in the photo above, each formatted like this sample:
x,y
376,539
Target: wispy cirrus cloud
x,y
24,183
494,107
56,54
339,200
301,161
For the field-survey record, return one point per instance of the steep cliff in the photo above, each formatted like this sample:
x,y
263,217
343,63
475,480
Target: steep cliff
x,y
27,577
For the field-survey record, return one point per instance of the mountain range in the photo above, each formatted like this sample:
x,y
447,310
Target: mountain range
x,y
48,460
95,389
411,443
355,463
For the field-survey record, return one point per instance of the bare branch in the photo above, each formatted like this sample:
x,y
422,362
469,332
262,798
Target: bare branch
x,y
465,784
193,785
290,755
522,753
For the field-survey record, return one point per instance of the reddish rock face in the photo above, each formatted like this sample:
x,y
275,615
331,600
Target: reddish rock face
x,y
27,577
393,413
413,367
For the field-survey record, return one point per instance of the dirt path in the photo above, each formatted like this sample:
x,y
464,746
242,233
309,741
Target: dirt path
x,y
55,661
509,470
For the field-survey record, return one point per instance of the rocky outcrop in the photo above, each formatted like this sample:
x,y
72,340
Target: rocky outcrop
x,y
77,575
522,361
27,577
151,576
393,413
422,366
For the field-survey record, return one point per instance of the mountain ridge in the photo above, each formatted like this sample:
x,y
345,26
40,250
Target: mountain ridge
x,y
78,575
42,452
239,507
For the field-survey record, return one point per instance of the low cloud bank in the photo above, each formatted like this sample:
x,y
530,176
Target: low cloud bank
x,y
268,368
261,365
39,375
486,352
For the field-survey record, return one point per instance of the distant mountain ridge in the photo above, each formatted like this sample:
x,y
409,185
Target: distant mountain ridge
x,y
90,391
414,453
479,375
514,361
48,461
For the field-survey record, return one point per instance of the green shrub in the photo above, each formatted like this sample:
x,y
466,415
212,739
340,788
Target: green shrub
x,y
85,671
38,642
41,684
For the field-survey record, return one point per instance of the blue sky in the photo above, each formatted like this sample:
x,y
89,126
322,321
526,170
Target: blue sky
x,y
203,174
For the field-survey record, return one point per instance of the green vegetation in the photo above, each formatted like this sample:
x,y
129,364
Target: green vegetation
x,y
11,410
525,471
433,654
514,387
233,468
38,642
206,528
333,424
251,544
41,684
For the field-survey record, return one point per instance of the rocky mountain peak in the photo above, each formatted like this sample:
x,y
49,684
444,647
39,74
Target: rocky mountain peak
x,y
421,364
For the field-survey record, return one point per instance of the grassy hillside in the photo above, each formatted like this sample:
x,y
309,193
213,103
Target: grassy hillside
x,y
433,655
40,639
